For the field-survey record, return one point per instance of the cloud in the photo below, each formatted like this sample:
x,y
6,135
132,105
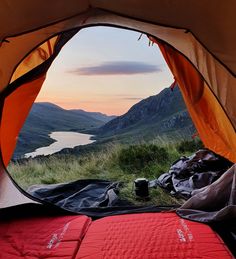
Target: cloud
x,y
127,97
117,68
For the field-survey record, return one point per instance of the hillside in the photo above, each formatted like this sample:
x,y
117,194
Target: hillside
x,y
45,118
163,114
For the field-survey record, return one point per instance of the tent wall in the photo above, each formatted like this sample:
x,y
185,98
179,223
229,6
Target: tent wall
x,y
18,17
15,110
35,58
10,194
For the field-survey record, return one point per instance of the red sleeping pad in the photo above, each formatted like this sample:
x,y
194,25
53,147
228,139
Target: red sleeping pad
x,y
144,236
48,237
149,236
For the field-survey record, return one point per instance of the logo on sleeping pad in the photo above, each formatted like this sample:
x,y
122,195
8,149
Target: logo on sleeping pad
x,y
183,232
57,237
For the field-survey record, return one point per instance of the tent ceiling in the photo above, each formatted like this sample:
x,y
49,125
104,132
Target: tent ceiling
x,y
212,22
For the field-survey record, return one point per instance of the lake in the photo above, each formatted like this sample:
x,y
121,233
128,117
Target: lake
x,y
63,139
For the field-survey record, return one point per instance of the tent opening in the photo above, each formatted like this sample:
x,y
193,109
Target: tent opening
x,y
105,111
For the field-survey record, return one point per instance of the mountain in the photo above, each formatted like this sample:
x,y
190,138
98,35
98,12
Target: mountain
x,y
45,118
164,114
95,115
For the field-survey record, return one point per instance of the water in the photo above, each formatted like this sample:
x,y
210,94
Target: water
x,y
63,139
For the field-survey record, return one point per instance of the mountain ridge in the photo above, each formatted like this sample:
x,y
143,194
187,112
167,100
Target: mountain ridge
x,y
166,111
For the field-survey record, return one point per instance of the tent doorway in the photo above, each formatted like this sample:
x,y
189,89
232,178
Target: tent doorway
x,y
109,77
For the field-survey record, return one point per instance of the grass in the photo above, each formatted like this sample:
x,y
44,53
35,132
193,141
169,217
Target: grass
x,y
122,163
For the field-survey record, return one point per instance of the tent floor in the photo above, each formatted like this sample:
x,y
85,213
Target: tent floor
x,y
145,235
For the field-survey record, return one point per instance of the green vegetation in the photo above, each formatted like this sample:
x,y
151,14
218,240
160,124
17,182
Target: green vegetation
x,y
115,162
140,158
189,146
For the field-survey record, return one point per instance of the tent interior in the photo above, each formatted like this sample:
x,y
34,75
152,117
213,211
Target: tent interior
x,y
197,42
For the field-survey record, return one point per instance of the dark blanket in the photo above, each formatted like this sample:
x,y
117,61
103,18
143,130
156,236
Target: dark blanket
x,y
79,194
94,198
190,173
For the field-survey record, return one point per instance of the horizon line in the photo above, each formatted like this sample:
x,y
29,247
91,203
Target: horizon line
x,y
70,109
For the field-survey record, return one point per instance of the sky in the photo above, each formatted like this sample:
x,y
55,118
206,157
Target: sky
x,y
105,70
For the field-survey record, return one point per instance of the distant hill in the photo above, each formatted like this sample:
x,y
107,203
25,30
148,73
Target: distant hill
x,y
95,115
160,115
45,118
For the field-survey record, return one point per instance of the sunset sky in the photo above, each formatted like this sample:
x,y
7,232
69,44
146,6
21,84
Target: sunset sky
x,y
107,70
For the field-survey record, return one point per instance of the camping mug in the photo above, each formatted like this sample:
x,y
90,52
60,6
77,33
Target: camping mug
x,y
141,187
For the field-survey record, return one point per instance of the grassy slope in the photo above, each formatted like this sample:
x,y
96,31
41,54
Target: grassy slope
x,y
116,163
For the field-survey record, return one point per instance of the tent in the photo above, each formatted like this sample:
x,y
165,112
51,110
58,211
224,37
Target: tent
x,y
196,38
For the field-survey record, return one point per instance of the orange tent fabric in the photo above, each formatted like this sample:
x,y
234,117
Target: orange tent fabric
x,y
213,125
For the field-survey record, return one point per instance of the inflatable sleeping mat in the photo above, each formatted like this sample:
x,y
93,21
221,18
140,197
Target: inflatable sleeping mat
x,y
139,236
42,238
